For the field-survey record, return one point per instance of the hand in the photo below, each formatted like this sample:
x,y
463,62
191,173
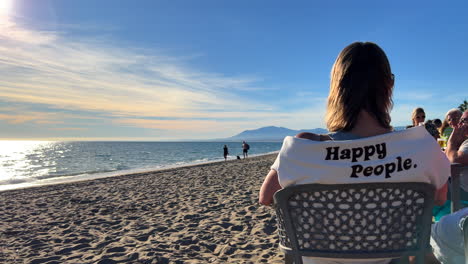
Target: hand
x,y
458,134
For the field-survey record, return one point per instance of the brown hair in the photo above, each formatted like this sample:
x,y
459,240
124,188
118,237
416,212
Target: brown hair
x,y
444,125
361,79
416,111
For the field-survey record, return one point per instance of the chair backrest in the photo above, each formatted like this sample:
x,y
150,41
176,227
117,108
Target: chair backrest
x,y
455,191
355,221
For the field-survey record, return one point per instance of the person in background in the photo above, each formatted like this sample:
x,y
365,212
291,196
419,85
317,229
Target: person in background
x,y
447,239
437,122
245,149
452,117
226,152
432,129
418,116
446,235
443,127
457,145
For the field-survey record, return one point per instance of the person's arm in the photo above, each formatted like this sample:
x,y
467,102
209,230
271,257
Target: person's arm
x,y
453,145
441,195
269,187
271,183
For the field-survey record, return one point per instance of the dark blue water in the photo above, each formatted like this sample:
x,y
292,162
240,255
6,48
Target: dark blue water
x,y
26,163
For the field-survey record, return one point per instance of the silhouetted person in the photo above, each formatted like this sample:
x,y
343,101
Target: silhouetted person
x,y
437,122
226,152
245,149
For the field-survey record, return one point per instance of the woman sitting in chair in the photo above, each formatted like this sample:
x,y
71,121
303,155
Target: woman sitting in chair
x,y
358,108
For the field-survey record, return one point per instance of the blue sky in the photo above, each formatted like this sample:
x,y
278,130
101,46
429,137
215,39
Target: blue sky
x,y
162,70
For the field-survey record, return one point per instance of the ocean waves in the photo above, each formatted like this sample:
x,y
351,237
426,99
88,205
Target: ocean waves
x,y
29,163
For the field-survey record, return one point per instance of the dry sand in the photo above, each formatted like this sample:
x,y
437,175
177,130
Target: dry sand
x,y
200,214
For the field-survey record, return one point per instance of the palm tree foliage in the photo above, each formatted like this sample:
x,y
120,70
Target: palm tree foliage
x,y
464,106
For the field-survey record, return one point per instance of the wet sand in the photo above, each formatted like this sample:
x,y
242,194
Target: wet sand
x,y
198,214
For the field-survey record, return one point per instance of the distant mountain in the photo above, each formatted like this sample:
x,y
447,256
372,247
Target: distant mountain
x,y
271,133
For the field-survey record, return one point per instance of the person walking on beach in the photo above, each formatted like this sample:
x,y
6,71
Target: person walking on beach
x,y
245,149
226,152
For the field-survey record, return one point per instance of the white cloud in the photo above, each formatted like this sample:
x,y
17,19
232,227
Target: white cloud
x,y
10,32
129,87
413,95
47,68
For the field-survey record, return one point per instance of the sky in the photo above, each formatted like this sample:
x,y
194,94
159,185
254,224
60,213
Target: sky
x,y
175,70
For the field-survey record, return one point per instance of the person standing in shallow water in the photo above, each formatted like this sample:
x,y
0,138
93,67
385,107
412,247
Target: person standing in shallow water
x,y
245,149
226,152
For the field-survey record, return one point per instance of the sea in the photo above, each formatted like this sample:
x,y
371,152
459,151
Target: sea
x,y
33,163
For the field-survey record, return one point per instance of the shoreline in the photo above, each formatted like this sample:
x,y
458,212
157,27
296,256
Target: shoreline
x,y
206,213
104,175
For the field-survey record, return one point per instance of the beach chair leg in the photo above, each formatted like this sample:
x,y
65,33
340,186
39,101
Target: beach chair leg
x,y
288,259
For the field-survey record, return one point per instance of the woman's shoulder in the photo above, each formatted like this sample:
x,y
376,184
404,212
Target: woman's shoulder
x,y
313,136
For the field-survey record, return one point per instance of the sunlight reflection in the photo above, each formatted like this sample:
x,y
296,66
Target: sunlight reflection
x,y
5,7
19,158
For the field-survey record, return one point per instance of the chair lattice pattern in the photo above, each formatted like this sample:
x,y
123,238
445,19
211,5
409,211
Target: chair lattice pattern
x,y
354,219
283,237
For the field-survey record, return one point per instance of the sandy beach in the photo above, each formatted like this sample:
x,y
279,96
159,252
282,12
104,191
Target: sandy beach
x,y
198,214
